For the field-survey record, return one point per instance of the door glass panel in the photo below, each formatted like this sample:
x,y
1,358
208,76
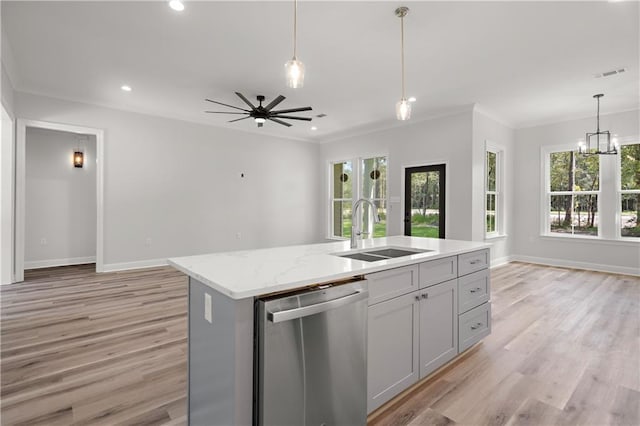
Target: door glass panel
x,y
342,219
424,206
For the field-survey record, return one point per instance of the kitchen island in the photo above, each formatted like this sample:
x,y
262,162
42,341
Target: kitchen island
x,y
223,288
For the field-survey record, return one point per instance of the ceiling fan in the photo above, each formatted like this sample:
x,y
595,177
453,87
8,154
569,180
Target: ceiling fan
x,y
262,113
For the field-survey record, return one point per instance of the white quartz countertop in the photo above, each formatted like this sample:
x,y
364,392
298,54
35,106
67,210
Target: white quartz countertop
x,y
250,273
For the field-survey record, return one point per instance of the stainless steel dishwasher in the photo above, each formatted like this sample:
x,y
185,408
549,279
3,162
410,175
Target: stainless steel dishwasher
x,y
311,357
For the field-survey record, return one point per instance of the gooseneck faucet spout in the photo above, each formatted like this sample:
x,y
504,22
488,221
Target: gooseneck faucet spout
x,y
355,230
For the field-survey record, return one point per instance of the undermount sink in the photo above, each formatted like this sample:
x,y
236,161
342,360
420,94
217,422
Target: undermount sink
x,y
380,253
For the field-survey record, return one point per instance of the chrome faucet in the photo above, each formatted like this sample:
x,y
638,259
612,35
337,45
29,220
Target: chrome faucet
x,y
355,231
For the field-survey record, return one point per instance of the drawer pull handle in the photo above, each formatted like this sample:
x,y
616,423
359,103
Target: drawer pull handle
x,y
473,290
425,296
475,262
475,327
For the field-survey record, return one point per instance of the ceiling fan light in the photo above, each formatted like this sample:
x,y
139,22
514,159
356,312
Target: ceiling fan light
x,y
403,109
260,120
295,73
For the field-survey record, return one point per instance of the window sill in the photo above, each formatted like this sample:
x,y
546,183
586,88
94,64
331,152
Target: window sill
x,y
496,237
598,240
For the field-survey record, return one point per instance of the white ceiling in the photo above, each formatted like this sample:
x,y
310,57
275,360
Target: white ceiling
x,y
527,62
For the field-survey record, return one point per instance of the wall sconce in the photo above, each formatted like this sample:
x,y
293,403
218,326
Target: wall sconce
x,y
78,159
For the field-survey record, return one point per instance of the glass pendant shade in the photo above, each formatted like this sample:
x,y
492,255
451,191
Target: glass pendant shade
x,y
403,109
295,73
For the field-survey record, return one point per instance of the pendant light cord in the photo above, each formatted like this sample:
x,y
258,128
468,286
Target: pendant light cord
x,y
402,50
295,27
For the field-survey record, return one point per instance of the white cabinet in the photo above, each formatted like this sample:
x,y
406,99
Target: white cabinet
x,y
392,348
438,326
421,317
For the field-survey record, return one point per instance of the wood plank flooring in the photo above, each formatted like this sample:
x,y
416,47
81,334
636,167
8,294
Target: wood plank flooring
x,y
79,348
565,350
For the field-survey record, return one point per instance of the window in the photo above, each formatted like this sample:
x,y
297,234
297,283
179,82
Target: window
x,y
629,190
573,188
354,179
494,221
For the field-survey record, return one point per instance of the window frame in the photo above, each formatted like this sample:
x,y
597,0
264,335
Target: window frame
x,y
356,189
500,220
546,193
620,192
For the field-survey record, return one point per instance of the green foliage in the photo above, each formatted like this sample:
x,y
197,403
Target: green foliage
x,y
630,166
491,171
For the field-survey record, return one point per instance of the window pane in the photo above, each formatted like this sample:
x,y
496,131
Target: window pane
x,y
342,180
342,219
561,171
560,214
630,166
585,215
629,215
491,212
368,226
374,178
587,174
491,171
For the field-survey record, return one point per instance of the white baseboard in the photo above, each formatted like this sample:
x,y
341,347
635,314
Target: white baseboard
x,y
38,264
500,261
140,264
577,265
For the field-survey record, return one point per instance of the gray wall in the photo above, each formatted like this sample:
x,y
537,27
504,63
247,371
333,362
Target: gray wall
x,y
529,245
439,140
173,188
60,199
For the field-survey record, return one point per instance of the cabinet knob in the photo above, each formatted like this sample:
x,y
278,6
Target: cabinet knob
x,y
417,297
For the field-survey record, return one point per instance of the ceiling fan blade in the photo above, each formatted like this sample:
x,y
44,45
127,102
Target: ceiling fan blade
x,y
246,101
237,119
230,106
226,112
284,111
275,102
279,121
289,117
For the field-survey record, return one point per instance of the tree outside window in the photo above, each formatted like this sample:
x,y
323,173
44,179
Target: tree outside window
x,y
630,190
574,186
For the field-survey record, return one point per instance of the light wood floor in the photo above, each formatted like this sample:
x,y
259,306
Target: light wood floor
x,y
80,348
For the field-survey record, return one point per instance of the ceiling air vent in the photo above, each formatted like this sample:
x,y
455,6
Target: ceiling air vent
x,y
610,73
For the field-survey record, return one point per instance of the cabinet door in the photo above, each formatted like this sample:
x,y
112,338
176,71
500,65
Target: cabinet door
x,y
438,326
392,348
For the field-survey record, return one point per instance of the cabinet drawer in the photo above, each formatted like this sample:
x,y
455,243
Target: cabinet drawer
x,y
472,262
474,326
473,290
438,271
392,283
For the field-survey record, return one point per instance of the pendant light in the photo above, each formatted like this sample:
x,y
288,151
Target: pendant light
x,y
294,68
403,106
610,146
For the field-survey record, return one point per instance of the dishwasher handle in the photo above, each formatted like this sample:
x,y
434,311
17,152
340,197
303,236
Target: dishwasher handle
x,y
317,308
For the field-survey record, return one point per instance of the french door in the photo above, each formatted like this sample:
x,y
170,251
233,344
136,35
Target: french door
x,y
424,201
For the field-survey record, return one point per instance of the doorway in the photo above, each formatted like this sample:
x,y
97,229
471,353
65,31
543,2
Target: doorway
x,y
80,136
424,201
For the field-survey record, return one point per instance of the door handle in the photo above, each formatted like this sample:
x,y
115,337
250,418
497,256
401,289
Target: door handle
x,y
317,308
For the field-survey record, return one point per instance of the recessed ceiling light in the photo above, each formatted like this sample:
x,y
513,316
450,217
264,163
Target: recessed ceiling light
x,y
314,128
176,5
126,88
412,99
